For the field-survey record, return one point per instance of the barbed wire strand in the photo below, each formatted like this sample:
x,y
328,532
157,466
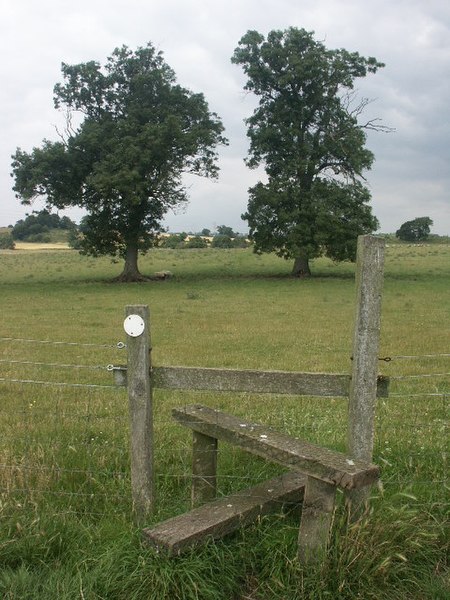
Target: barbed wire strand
x,y
61,384
424,375
412,356
61,415
107,493
95,385
54,492
182,475
418,395
92,472
62,470
59,365
76,512
119,345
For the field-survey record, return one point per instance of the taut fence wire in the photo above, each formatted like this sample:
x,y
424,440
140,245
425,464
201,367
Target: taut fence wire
x,y
69,439
63,433
57,383
119,345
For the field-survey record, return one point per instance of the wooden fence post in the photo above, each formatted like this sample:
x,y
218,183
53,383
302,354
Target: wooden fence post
x,y
204,468
363,386
137,328
316,520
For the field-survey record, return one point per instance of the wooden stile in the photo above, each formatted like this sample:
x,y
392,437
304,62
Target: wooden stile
x,y
322,470
325,469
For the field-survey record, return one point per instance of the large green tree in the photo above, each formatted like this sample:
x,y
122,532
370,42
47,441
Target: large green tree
x,y
416,230
306,132
139,132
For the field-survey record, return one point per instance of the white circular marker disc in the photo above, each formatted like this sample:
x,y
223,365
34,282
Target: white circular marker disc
x,y
134,325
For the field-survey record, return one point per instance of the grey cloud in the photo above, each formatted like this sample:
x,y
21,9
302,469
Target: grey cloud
x,y
410,176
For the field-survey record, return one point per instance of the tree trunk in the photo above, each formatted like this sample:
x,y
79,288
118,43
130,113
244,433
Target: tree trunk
x,y
301,266
130,269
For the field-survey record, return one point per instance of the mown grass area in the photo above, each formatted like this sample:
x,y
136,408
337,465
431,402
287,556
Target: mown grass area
x,y
65,509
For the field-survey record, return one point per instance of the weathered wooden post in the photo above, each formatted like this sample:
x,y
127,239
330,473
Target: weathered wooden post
x,y
315,524
204,468
366,337
137,328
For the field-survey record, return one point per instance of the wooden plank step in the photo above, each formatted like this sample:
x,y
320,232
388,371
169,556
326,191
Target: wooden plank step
x,y
321,463
225,515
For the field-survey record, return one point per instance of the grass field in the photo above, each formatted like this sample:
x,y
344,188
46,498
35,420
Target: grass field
x,y
65,512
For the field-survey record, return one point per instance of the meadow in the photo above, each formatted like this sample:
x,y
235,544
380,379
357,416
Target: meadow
x,y
66,527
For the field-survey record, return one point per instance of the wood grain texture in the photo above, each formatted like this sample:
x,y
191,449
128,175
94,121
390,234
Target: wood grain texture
x,y
256,382
225,515
316,520
140,415
204,468
324,464
366,338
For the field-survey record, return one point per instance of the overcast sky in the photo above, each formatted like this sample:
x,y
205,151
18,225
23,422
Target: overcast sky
x,y
411,174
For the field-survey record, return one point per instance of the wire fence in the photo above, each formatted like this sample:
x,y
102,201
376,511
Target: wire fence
x,y
64,436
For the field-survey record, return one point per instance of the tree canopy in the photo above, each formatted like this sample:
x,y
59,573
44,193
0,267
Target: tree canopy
x,y
140,131
416,230
306,132
6,239
36,227
226,230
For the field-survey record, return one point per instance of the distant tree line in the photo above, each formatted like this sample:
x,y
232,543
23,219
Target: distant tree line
x,y
37,226
223,237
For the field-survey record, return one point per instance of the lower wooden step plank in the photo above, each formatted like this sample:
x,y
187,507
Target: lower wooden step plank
x,y
225,515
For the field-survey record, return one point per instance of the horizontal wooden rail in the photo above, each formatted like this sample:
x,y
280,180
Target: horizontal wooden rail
x,y
320,463
257,382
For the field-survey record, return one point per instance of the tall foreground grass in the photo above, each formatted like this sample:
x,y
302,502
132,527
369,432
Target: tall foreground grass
x,y
65,511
